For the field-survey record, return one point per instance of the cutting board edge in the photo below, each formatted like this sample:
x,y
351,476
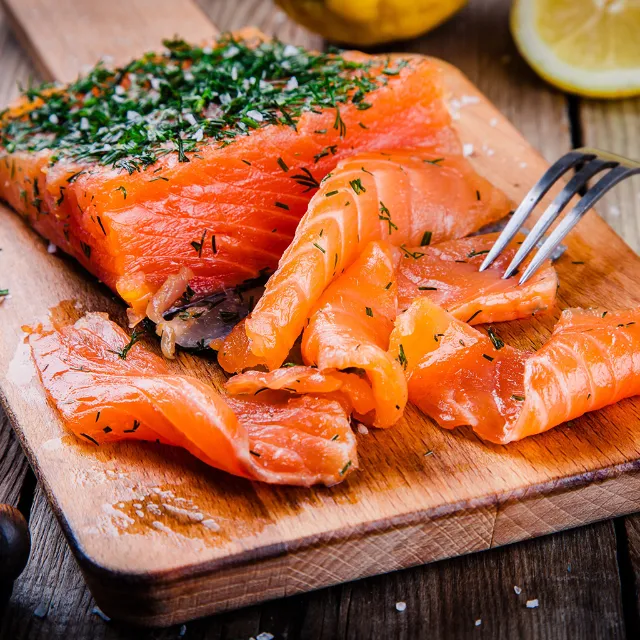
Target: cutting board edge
x,y
154,599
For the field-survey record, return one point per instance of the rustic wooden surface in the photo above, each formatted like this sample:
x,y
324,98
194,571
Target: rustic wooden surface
x,y
585,580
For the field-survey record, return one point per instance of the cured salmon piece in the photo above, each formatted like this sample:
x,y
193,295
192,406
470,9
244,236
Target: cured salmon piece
x,y
302,379
404,197
345,343
350,328
448,275
204,158
460,376
107,388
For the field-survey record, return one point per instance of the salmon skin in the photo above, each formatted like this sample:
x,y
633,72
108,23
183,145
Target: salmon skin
x,y
204,158
108,388
406,198
461,376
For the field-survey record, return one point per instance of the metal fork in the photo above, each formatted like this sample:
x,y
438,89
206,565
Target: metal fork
x,y
594,161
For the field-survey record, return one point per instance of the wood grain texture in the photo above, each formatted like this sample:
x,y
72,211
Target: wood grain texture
x,y
397,500
63,39
14,69
615,126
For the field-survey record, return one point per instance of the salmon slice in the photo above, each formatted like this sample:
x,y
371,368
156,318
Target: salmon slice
x,y
350,328
345,343
448,275
460,376
107,388
405,198
204,158
302,379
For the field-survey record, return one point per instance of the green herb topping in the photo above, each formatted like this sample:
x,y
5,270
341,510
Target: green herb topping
x,y
170,102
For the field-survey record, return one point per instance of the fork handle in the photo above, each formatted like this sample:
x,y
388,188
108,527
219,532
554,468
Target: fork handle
x,y
15,543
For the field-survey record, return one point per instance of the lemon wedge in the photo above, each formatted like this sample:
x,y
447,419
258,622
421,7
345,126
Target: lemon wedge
x,y
588,47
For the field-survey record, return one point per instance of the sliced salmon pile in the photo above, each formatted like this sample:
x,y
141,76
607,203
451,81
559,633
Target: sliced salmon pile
x,y
403,198
141,172
108,389
459,375
349,331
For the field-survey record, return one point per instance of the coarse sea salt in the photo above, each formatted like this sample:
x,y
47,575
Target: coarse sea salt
x,y
362,429
478,622
467,149
52,248
532,604
401,606
517,589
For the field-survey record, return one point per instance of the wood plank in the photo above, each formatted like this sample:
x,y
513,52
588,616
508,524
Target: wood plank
x,y
64,41
615,126
14,69
430,540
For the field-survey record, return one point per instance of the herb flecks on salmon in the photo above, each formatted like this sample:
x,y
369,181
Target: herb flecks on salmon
x,y
170,103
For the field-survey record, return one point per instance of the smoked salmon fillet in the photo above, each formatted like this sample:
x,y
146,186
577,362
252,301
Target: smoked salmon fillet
x,y
107,388
204,158
405,198
460,376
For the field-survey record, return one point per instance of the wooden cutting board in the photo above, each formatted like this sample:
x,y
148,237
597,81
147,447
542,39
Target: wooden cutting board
x,y
161,538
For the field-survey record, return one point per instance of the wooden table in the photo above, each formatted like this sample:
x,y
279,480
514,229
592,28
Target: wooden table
x,y
585,580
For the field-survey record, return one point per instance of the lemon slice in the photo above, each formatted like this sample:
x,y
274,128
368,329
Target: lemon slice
x,y
589,47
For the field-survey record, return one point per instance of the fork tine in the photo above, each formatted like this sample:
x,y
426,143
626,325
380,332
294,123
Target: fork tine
x,y
537,192
555,209
574,216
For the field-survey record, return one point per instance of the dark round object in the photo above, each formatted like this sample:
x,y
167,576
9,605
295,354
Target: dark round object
x,y
15,543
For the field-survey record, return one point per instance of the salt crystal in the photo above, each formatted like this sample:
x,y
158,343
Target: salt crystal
x,y
493,122
464,100
190,118
478,622
183,631
207,51
120,90
230,52
52,248
255,115
523,165
532,604
401,606
291,84
41,610
155,84
467,149
137,505
53,119
265,635
140,513
210,524
517,589
290,50
362,429
84,124
198,135
234,73
133,115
